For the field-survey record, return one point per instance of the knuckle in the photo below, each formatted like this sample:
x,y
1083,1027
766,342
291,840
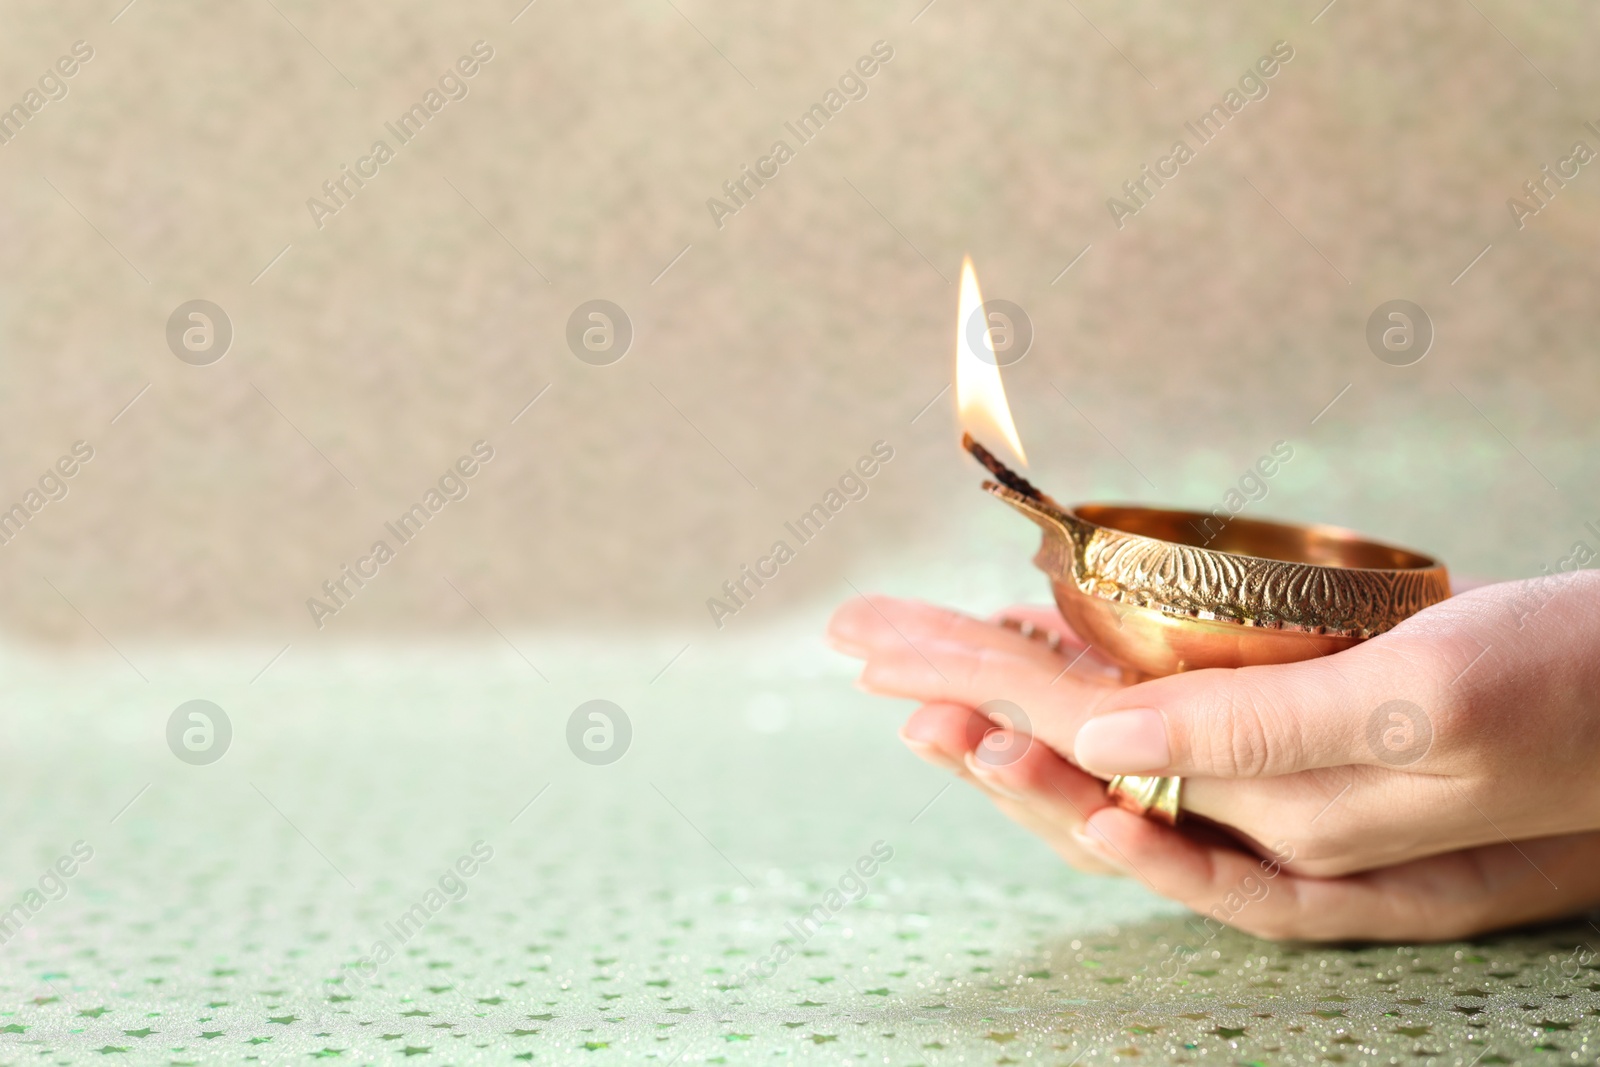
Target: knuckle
x,y
1235,735
1247,743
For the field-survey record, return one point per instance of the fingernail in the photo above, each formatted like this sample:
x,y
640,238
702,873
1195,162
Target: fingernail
x,y
990,780
1089,839
1123,742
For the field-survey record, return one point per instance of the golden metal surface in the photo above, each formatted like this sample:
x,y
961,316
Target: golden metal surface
x,y
1159,798
1136,584
1160,590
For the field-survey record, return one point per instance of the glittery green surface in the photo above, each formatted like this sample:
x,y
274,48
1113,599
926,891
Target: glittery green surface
x,y
625,906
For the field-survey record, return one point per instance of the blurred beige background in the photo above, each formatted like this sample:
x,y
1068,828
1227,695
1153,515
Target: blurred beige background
x,y
370,353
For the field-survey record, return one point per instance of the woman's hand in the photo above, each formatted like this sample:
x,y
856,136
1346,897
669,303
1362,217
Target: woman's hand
x,y
1474,722
1443,897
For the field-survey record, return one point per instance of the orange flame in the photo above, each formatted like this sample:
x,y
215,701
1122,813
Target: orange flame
x,y
980,398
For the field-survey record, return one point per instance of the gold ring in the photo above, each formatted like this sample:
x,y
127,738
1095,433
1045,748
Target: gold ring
x,y
1159,798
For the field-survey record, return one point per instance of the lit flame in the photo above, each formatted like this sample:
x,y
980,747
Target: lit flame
x,y
980,398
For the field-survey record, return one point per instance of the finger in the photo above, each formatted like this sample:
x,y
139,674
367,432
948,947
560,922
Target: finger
x,y
1003,761
1440,898
1039,791
1017,766
867,626
1048,701
938,656
973,671
1226,886
942,734
878,622
1378,703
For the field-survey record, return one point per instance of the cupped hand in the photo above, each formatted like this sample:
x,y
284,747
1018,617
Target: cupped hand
x,y
1475,722
1455,895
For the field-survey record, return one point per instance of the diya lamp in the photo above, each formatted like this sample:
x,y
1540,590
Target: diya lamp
x,y
1150,589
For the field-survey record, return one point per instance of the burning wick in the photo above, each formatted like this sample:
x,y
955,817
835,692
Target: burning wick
x,y
1002,473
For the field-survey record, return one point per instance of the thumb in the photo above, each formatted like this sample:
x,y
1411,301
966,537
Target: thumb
x,y
1366,705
